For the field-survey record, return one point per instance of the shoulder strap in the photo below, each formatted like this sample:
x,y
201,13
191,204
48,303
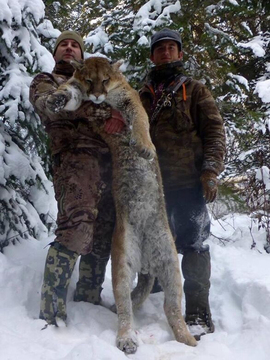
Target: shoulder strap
x,y
168,94
180,82
150,87
175,85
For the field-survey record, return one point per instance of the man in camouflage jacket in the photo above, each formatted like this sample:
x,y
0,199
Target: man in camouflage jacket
x,y
82,183
188,133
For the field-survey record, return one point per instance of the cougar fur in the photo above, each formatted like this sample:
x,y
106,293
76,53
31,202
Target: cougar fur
x,y
142,242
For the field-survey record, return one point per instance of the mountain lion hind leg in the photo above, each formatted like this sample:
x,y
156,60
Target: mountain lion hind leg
x,y
126,339
170,279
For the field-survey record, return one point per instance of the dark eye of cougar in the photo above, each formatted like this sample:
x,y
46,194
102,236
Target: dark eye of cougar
x,y
105,81
89,81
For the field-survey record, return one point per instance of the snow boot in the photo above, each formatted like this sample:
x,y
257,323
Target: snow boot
x,y
59,266
196,268
92,270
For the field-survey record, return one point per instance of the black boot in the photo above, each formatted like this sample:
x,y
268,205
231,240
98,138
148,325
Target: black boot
x,y
156,287
196,268
92,270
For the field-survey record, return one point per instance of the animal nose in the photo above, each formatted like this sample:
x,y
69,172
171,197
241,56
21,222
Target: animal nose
x,y
97,98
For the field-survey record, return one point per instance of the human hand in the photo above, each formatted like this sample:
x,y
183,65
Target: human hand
x,y
115,123
210,185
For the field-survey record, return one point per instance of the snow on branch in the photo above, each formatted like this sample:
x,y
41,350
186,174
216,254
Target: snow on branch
x,y
151,13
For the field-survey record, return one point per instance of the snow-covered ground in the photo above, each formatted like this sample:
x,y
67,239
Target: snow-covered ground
x,y
240,298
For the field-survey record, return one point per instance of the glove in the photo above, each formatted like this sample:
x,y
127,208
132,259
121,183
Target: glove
x,y
210,185
115,123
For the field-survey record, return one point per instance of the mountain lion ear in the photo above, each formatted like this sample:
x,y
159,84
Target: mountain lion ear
x,y
117,64
78,65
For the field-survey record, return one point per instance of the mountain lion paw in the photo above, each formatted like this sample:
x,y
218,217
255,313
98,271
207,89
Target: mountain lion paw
x,y
57,102
127,345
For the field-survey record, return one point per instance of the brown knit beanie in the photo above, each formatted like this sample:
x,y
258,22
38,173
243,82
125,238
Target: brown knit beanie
x,y
68,34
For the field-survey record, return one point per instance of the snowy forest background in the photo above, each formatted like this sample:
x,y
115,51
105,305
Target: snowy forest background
x,y
226,45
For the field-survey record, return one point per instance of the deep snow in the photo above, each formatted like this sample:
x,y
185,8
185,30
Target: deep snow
x,y
240,293
240,296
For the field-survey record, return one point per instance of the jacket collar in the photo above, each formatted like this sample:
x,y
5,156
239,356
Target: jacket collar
x,y
165,73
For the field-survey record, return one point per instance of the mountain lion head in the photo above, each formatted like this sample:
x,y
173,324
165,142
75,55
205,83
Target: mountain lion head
x,y
97,77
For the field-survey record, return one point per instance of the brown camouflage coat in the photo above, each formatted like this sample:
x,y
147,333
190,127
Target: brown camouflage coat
x,y
67,130
189,135
81,168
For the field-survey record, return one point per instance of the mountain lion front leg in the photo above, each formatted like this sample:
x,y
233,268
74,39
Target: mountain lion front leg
x,y
58,100
68,96
138,119
127,101
141,135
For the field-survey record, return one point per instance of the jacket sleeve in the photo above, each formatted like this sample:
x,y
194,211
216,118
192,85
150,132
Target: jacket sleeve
x,y
45,84
41,87
211,129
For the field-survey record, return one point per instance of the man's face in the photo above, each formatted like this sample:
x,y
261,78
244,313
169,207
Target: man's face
x,y
68,50
166,51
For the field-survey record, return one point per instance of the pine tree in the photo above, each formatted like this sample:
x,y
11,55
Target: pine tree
x,y
119,29
22,138
217,51
64,14
243,52
124,31
226,45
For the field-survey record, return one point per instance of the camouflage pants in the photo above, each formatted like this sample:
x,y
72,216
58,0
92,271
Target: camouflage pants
x,y
82,183
93,265
86,218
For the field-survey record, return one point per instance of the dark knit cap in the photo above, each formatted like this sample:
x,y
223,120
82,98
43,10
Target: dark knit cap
x,y
166,34
68,34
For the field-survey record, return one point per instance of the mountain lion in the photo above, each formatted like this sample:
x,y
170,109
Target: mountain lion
x,y
142,241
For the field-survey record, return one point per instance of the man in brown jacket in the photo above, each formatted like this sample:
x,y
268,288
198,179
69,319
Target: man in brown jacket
x,y
188,133
82,183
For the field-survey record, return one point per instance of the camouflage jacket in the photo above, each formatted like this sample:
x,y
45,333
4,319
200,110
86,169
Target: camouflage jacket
x,y
67,130
188,133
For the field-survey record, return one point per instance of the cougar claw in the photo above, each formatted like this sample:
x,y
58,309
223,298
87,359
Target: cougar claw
x,y
146,153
